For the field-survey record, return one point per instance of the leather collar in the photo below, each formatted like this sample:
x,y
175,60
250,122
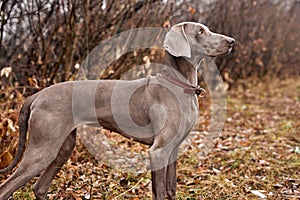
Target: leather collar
x,y
187,88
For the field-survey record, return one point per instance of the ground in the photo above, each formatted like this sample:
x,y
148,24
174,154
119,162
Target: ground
x,y
256,157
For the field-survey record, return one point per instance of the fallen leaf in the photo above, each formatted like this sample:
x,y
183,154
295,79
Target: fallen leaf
x,y
258,193
5,159
297,150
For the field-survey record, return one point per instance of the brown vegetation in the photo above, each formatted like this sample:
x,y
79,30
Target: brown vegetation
x,y
258,152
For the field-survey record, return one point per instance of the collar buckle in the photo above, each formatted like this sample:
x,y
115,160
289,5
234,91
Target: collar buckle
x,y
188,89
199,91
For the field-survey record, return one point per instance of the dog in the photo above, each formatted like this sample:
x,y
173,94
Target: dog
x,y
165,106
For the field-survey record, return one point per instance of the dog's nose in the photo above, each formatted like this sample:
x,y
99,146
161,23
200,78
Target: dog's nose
x,y
231,41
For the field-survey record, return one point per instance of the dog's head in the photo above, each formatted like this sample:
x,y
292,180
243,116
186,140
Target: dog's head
x,y
189,39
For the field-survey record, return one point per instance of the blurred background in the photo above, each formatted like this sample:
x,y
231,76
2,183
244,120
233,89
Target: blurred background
x,y
258,155
42,42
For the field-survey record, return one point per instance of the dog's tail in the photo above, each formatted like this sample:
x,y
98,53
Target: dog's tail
x,y
23,126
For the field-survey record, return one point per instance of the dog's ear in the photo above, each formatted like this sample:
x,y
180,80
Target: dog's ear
x,y
176,41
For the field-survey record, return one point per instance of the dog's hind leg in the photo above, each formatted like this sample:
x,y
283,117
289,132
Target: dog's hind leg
x,y
42,185
33,162
45,140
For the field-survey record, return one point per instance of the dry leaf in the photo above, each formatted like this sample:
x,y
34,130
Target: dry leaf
x,y
5,159
258,193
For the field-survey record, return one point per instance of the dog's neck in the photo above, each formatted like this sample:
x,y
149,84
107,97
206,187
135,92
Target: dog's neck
x,y
183,66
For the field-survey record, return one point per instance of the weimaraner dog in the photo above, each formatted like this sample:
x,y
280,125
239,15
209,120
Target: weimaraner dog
x,y
165,106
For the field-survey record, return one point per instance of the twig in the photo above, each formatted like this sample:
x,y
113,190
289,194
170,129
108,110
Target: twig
x,y
129,189
286,181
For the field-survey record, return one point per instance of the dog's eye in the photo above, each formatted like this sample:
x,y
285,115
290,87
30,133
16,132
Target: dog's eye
x,y
201,31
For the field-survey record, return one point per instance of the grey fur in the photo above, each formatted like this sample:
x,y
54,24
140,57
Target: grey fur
x,y
53,114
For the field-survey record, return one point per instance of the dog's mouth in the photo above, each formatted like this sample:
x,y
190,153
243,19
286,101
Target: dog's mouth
x,y
221,52
228,51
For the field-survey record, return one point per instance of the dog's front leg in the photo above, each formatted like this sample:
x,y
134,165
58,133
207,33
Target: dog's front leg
x,y
159,162
171,178
158,184
163,171
171,181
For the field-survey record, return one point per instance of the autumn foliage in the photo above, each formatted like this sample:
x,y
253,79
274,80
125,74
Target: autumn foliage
x,y
45,42
41,42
